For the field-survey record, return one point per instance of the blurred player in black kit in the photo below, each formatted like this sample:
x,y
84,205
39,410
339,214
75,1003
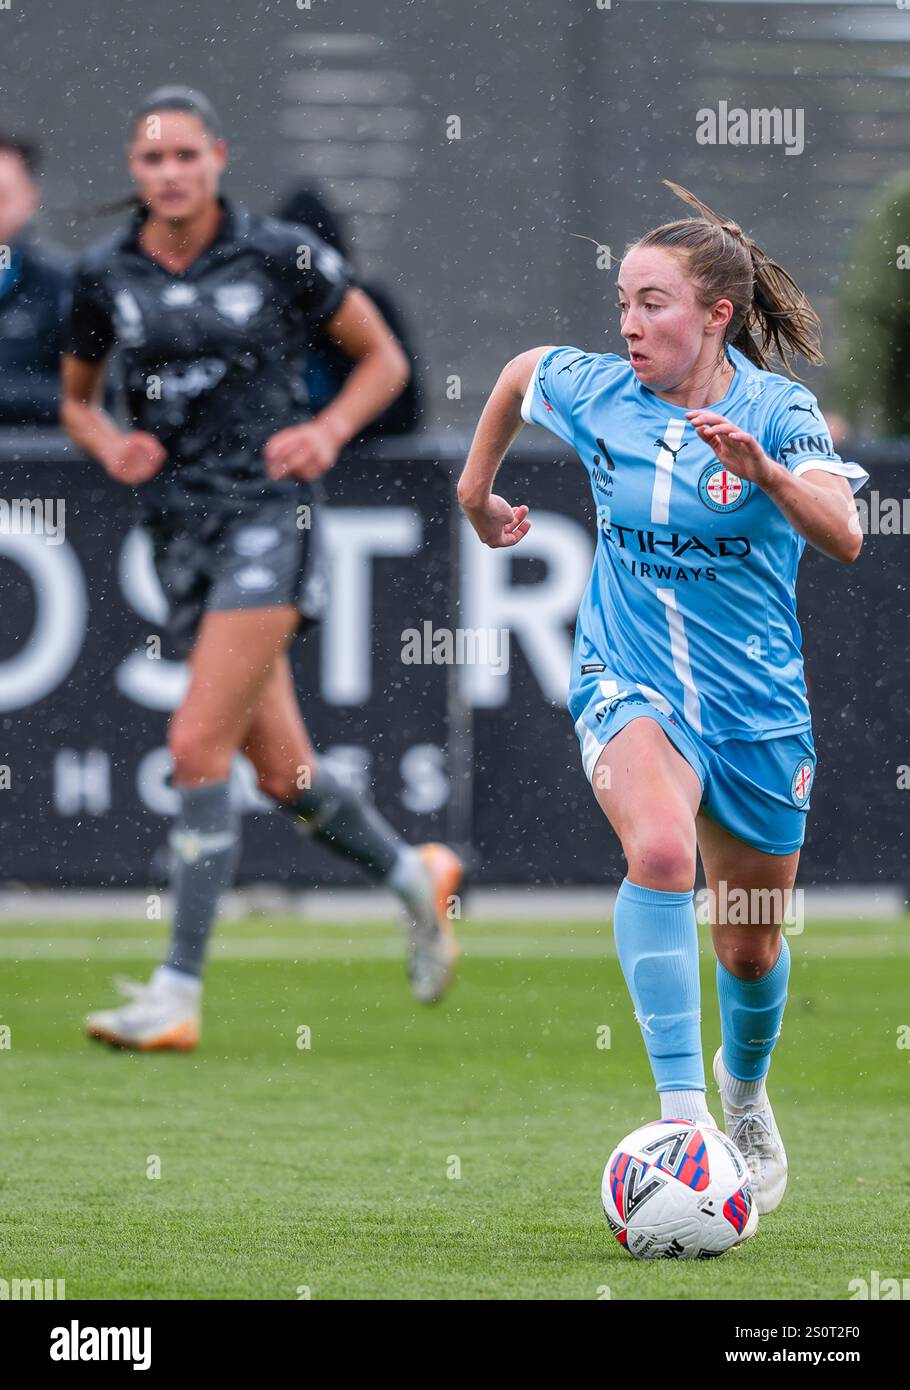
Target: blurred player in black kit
x,y
210,306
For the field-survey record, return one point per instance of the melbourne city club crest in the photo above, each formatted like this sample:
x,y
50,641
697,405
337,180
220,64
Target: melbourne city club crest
x,y
721,490
801,782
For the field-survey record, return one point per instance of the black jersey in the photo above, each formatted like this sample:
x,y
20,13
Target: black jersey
x,y
211,356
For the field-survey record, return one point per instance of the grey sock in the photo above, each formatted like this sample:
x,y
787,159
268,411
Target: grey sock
x,y
346,822
205,845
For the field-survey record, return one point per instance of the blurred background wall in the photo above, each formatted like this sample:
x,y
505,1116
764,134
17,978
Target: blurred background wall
x,y
569,115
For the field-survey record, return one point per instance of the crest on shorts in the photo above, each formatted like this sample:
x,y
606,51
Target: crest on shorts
x,y
722,490
255,578
253,541
801,782
239,302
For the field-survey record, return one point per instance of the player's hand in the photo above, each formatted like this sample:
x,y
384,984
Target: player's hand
x,y
498,523
301,451
735,449
138,458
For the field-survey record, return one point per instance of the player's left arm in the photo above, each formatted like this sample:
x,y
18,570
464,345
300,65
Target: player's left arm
x,y
818,503
379,376
820,506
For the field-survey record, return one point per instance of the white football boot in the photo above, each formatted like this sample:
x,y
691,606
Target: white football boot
x,y
433,955
165,1014
755,1133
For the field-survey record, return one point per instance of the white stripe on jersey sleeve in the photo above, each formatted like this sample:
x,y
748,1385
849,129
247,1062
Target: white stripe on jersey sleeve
x,y
529,394
858,477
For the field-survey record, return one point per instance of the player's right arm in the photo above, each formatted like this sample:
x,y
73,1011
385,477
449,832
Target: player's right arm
x,y
131,457
495,520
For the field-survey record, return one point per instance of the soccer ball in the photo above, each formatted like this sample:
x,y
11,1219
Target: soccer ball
x,y
674,1190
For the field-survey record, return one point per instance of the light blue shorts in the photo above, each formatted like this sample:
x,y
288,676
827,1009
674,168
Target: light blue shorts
x,y
757,790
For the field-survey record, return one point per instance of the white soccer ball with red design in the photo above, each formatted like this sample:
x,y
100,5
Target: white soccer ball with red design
x,y
673,1190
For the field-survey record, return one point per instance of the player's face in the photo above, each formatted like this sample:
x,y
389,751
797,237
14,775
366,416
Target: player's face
x,y
176,164
667,331
18,196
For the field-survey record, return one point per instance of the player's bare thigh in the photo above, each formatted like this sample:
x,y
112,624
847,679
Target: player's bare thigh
x,y
232,658
749,893
650,795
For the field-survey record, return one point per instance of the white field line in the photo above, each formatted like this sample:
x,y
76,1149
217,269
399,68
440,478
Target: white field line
x,y
517,945
539,906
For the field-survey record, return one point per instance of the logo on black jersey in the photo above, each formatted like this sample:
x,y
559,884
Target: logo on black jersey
x,y
128,319
329,262
239,302
178,296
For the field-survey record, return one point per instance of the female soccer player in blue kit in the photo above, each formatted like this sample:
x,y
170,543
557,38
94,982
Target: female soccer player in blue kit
x,y
709,473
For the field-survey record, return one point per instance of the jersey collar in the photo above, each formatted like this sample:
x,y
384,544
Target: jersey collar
x,y
234,230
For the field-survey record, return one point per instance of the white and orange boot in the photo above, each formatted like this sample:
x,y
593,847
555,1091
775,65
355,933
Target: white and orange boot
x,y
164,1015
434,951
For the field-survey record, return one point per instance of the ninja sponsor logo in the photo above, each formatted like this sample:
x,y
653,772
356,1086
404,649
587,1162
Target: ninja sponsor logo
x,y
819,444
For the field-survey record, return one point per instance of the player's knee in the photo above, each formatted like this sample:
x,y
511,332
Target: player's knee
x,y
663,856
283,783
196,754
748,957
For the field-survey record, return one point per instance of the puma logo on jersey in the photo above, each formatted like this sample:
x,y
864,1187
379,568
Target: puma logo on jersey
x,y
810,408
670,450
569,365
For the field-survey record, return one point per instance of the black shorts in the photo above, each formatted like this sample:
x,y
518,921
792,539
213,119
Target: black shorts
x,y
271,552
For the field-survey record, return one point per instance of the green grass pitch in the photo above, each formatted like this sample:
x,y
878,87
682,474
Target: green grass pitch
x,y
453,1152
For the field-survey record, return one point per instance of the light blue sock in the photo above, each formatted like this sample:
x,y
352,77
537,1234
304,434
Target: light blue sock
x,y
657,945
750,1017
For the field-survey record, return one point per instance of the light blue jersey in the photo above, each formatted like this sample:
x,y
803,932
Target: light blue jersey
x,y
692,597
